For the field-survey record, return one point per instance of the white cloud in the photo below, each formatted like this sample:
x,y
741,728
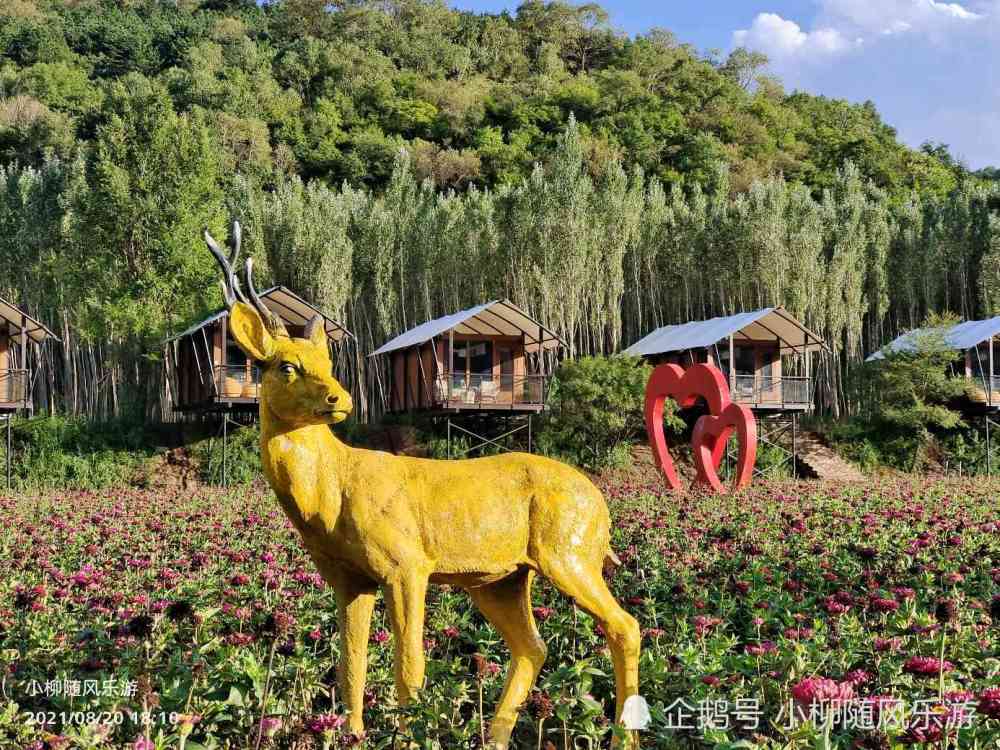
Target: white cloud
x,y
894,16
953,9
845,25
781,38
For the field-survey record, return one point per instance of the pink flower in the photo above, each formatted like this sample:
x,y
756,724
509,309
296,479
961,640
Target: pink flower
x,y
323,723
883,645
927,666
813,690
989,702
542,613
380,636
142,743
857,677
270,725
703,624
450,632
881,604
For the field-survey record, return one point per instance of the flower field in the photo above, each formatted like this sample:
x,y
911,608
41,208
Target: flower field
x,y
795,615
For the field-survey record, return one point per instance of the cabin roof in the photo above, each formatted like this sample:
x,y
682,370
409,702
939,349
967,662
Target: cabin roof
x,y
284,303
496,318
760,325
36,330
961,336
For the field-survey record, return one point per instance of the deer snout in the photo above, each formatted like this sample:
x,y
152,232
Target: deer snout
x,y
339,400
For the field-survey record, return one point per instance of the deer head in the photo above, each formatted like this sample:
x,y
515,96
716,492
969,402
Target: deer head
x,y
297,385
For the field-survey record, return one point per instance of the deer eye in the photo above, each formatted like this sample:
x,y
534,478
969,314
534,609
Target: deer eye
x,y
287,368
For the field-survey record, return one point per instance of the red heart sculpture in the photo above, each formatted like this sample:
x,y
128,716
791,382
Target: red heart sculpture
x,y
708,441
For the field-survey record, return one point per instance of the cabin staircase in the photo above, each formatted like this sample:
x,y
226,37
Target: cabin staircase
x,y
819,460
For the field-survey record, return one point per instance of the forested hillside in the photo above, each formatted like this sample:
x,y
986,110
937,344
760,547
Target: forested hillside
x,y
395,160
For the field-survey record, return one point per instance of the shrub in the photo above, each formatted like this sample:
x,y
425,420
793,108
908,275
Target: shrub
x,y
597,405
73,452
242,457
915,384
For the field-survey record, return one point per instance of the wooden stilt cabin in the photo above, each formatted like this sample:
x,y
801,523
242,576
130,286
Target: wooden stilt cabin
x,y
977,361
493,357
207,371
18,332
757,351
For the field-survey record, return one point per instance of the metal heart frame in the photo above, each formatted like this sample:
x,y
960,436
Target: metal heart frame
x,y
711,431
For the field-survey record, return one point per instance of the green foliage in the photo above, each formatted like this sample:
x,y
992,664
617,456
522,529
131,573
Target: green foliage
x,y
855,442
597,405
328,77
915,385
242,457
155,188
65,452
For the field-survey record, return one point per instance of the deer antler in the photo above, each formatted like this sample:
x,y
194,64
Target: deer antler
x,y
230,284
231,291
274,324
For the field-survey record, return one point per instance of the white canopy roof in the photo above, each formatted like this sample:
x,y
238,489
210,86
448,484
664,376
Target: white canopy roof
x,y
962,336
288,306
36,331
771,323
497,318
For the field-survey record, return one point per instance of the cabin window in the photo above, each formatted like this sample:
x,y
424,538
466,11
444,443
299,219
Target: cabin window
x,y
473,358
744,360
481,358
236,362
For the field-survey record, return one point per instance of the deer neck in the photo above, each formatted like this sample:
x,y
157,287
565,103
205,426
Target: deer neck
x,y
305,466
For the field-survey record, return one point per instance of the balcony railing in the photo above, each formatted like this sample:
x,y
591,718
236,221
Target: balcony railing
x,y
488,391
237,382
765,391
14,386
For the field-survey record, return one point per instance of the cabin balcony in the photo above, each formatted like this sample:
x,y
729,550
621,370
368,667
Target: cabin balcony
x,y
488,392
763,392
983,390
14,389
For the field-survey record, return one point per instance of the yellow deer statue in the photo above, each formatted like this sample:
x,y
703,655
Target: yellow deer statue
x,y
372,520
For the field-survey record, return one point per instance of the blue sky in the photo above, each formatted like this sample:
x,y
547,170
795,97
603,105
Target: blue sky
x,y
931,66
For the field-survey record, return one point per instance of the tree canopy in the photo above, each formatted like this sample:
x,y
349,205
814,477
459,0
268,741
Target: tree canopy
x,y
398,160
333,90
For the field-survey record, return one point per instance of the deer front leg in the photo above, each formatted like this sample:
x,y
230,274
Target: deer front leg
x,y
355,602
404,596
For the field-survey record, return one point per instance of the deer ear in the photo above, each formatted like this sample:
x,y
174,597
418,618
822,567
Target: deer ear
x,y
249,332
316,331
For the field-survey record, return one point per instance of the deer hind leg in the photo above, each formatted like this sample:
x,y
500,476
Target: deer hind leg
x,y
583,581
507,605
